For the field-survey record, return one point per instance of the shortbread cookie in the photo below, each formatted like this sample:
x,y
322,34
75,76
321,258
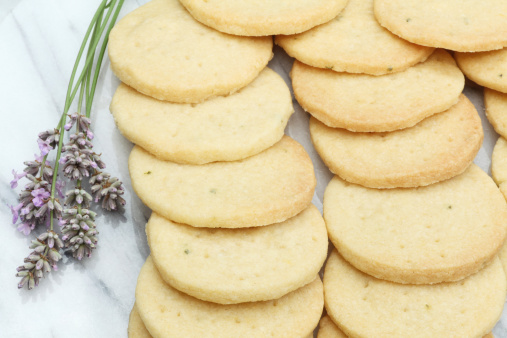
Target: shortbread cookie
x,y
255,18
489,69
167,312
367,103
229,266
437,148
463,26
263,189
136,327
328,329
161,51
364,306
439,233
496,110
354,42
220,129
499,165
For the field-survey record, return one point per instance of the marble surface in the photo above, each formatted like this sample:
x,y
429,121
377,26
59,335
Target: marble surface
x,y
91,298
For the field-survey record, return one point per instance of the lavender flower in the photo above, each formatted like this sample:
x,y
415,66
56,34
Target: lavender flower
x,y
108,189
17,177
43,258
37,203
79,231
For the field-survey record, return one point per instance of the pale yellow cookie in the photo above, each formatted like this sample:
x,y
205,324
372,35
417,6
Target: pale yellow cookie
x,y
257,18
167,312
267,188
503,257
439,233
364,306
219,129
496,110
161,51
354,42
328,329
367,103
463,26
499,165
229,266
437,148
136,327
489,69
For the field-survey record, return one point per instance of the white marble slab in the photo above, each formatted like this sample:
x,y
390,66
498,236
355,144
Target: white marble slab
x,y
92,298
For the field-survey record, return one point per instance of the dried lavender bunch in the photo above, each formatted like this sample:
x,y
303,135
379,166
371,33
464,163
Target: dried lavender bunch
x,y
38,202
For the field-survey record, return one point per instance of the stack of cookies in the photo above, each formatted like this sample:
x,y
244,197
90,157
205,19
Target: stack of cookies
x,y
417,228
236,245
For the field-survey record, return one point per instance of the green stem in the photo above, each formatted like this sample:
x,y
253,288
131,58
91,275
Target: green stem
x,y
83,80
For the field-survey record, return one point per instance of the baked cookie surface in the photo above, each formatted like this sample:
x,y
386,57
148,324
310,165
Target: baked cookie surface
x,y
463,26
367,103
162,52
354,42
219,129
439,233
167,312
386,309
499,165
256,18
136,327
328,329
496,110
230,266
437,148
267,188
488,69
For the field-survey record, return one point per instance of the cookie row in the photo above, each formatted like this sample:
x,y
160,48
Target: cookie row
x,y
235,243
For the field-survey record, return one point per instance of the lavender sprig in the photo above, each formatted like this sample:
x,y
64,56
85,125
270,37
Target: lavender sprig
x,y
38,202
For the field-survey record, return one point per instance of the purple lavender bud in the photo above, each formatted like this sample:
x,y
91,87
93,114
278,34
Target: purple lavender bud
x,y
79,199
15,212
43,237
39,195
51,242
40,249
87,241
22,274
20,268
39,274
54,255
31,283
23,281
29,266
42,210
39,264
46,267
25,228
68,125
55,267
17,177
89,134
80,252
44,147
33,258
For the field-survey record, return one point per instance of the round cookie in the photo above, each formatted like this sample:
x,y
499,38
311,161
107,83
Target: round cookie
x,y
256,18
167,312
230,266
219,129
328,329
469,308
489,69
267,188
161,51
354,42
437,148
496,110
499,165
367,103
136,327
439,233
463,26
